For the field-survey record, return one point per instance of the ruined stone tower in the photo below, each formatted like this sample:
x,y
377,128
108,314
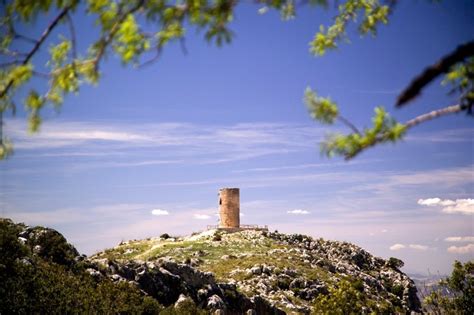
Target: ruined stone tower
x,y
229,208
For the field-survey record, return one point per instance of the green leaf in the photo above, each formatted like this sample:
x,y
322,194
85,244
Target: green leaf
x,y
320,108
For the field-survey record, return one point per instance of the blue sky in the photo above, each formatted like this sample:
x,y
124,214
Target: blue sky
x,y
169,136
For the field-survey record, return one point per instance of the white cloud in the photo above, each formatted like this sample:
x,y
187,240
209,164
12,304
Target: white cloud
x,y
464,206
397,246
298,212
469,248
159,212
418,247
201,216
459,239
384,231
429,201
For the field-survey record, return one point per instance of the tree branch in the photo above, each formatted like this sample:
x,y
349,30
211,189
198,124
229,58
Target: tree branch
x,y
25,38
38,44
430,73
151,60
348,124
434,114
105,41
72,31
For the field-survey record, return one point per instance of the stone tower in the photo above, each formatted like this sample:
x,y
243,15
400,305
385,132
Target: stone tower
x,y
229,208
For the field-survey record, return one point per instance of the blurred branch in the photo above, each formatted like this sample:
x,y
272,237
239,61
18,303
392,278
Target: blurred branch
x,y
25,38
435,114
106,40
348,124
38,44
433,71
152,60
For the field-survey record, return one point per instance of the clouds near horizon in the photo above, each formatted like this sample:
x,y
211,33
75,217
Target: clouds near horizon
x,y
463,206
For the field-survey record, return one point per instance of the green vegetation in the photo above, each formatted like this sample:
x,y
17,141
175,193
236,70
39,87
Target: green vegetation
x,y
395,263
455,294
348,297
50,282
133,30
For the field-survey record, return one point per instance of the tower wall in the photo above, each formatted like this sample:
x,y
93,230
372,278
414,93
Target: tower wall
x,y
229,208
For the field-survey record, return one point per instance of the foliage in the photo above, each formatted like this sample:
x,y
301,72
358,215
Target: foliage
x,y
461,80
395,263
458,296
187,307
217,237
384,128
42,284
132,30
374,13
165,236
348,298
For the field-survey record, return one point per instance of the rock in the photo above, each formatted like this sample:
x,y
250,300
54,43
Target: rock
x,y
290,272
116,277
199,253
298,283
215,302
26,261
94,273
267,269
183,301
256,270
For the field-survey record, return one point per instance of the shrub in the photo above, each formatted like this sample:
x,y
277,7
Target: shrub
x,y
165,236
395,263
40,284
455,294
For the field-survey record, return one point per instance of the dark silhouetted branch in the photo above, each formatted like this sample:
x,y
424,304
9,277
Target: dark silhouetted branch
x,y
429,74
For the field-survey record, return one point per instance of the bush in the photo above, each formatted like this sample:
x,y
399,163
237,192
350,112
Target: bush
x,y
347,298
455,294
40,284
397,289
165,236
395,263
217,237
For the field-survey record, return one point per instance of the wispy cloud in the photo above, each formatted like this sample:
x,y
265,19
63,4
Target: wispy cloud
x,y
193,143
298,212
464,206
418,247
447,136
468,249
399,246
200,216
459,239
159,212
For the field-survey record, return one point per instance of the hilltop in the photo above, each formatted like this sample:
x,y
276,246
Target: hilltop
x,y
252,272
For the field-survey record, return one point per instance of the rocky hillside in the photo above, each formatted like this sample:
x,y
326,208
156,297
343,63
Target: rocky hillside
x,y
221,273
295,273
